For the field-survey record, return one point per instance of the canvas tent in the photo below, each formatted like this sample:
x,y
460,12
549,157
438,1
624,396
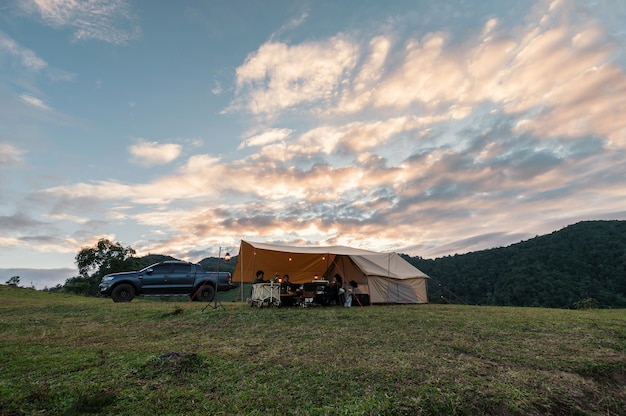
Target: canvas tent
x,y
385,277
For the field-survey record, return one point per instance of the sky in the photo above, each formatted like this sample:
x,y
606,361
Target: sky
x,y
421,127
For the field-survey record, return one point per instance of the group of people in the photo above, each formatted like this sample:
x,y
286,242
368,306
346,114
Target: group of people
x,y
285,284
336,291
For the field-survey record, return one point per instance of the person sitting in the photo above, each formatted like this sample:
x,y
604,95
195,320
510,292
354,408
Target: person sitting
x,y
260,274
285,285
258,279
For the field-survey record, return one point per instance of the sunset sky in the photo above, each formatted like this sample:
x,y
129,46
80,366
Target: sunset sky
x,y
424,127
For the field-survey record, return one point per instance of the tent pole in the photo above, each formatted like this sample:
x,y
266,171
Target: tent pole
x,y
253,265
241,256
327,261
240,263
388,284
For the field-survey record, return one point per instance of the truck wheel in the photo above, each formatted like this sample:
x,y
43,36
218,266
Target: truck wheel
x,y
123,293
206,294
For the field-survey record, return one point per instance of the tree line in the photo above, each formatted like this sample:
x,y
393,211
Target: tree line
x,y
582,265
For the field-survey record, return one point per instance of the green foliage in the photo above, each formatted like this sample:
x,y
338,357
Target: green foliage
x,y
95,262
589,303
211,264
559,270
104,258
65,354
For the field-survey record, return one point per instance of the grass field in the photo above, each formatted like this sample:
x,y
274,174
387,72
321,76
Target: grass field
x,y
65,355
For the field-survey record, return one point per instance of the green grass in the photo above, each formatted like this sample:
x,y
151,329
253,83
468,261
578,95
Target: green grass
x,y
66,355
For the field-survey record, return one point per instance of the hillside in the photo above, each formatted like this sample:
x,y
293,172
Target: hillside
x,y
584,261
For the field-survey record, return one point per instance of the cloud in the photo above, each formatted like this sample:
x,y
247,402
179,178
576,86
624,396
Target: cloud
x,y
267,137
10,155
17,222
203,176
25,231
34,101
29,60
217,88
26,57
556,76
153,153
109,21
290,25
279,76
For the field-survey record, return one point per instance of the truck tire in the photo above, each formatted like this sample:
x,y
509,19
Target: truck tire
x,y
123,293
206,293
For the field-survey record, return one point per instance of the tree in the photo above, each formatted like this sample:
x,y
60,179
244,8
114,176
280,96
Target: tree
x,y
14,281
95,262
104,258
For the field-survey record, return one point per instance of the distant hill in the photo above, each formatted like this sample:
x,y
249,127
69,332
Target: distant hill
x,y
151,259
210,264
584,262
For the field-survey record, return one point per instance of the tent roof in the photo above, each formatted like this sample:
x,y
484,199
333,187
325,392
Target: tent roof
x,y
339,250
371,263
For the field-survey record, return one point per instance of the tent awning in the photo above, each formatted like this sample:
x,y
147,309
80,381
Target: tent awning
x,y
302,264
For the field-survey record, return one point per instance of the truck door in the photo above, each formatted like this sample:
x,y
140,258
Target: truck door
x,y
182,278
155,279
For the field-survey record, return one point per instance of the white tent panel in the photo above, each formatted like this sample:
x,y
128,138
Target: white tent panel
x,y
386,290
387,264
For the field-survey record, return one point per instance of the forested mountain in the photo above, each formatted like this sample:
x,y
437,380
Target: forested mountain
x,y
582,264
211,264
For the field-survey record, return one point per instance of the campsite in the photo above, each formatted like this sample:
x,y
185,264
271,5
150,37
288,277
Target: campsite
x,y
68,354
367,276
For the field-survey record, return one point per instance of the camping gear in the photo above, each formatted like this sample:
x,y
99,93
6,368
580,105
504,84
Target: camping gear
x,y
267,294
384,277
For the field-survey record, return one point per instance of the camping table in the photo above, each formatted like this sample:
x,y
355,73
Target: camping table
x,y
265,294
288,299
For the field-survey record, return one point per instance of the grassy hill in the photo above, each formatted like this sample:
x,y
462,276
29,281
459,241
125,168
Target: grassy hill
x,y
584,263
64,354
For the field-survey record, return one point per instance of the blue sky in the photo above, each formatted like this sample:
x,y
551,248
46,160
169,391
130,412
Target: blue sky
x,y
427,128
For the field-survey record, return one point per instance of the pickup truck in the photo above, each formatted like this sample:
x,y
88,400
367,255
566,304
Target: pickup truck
x,y
165,279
